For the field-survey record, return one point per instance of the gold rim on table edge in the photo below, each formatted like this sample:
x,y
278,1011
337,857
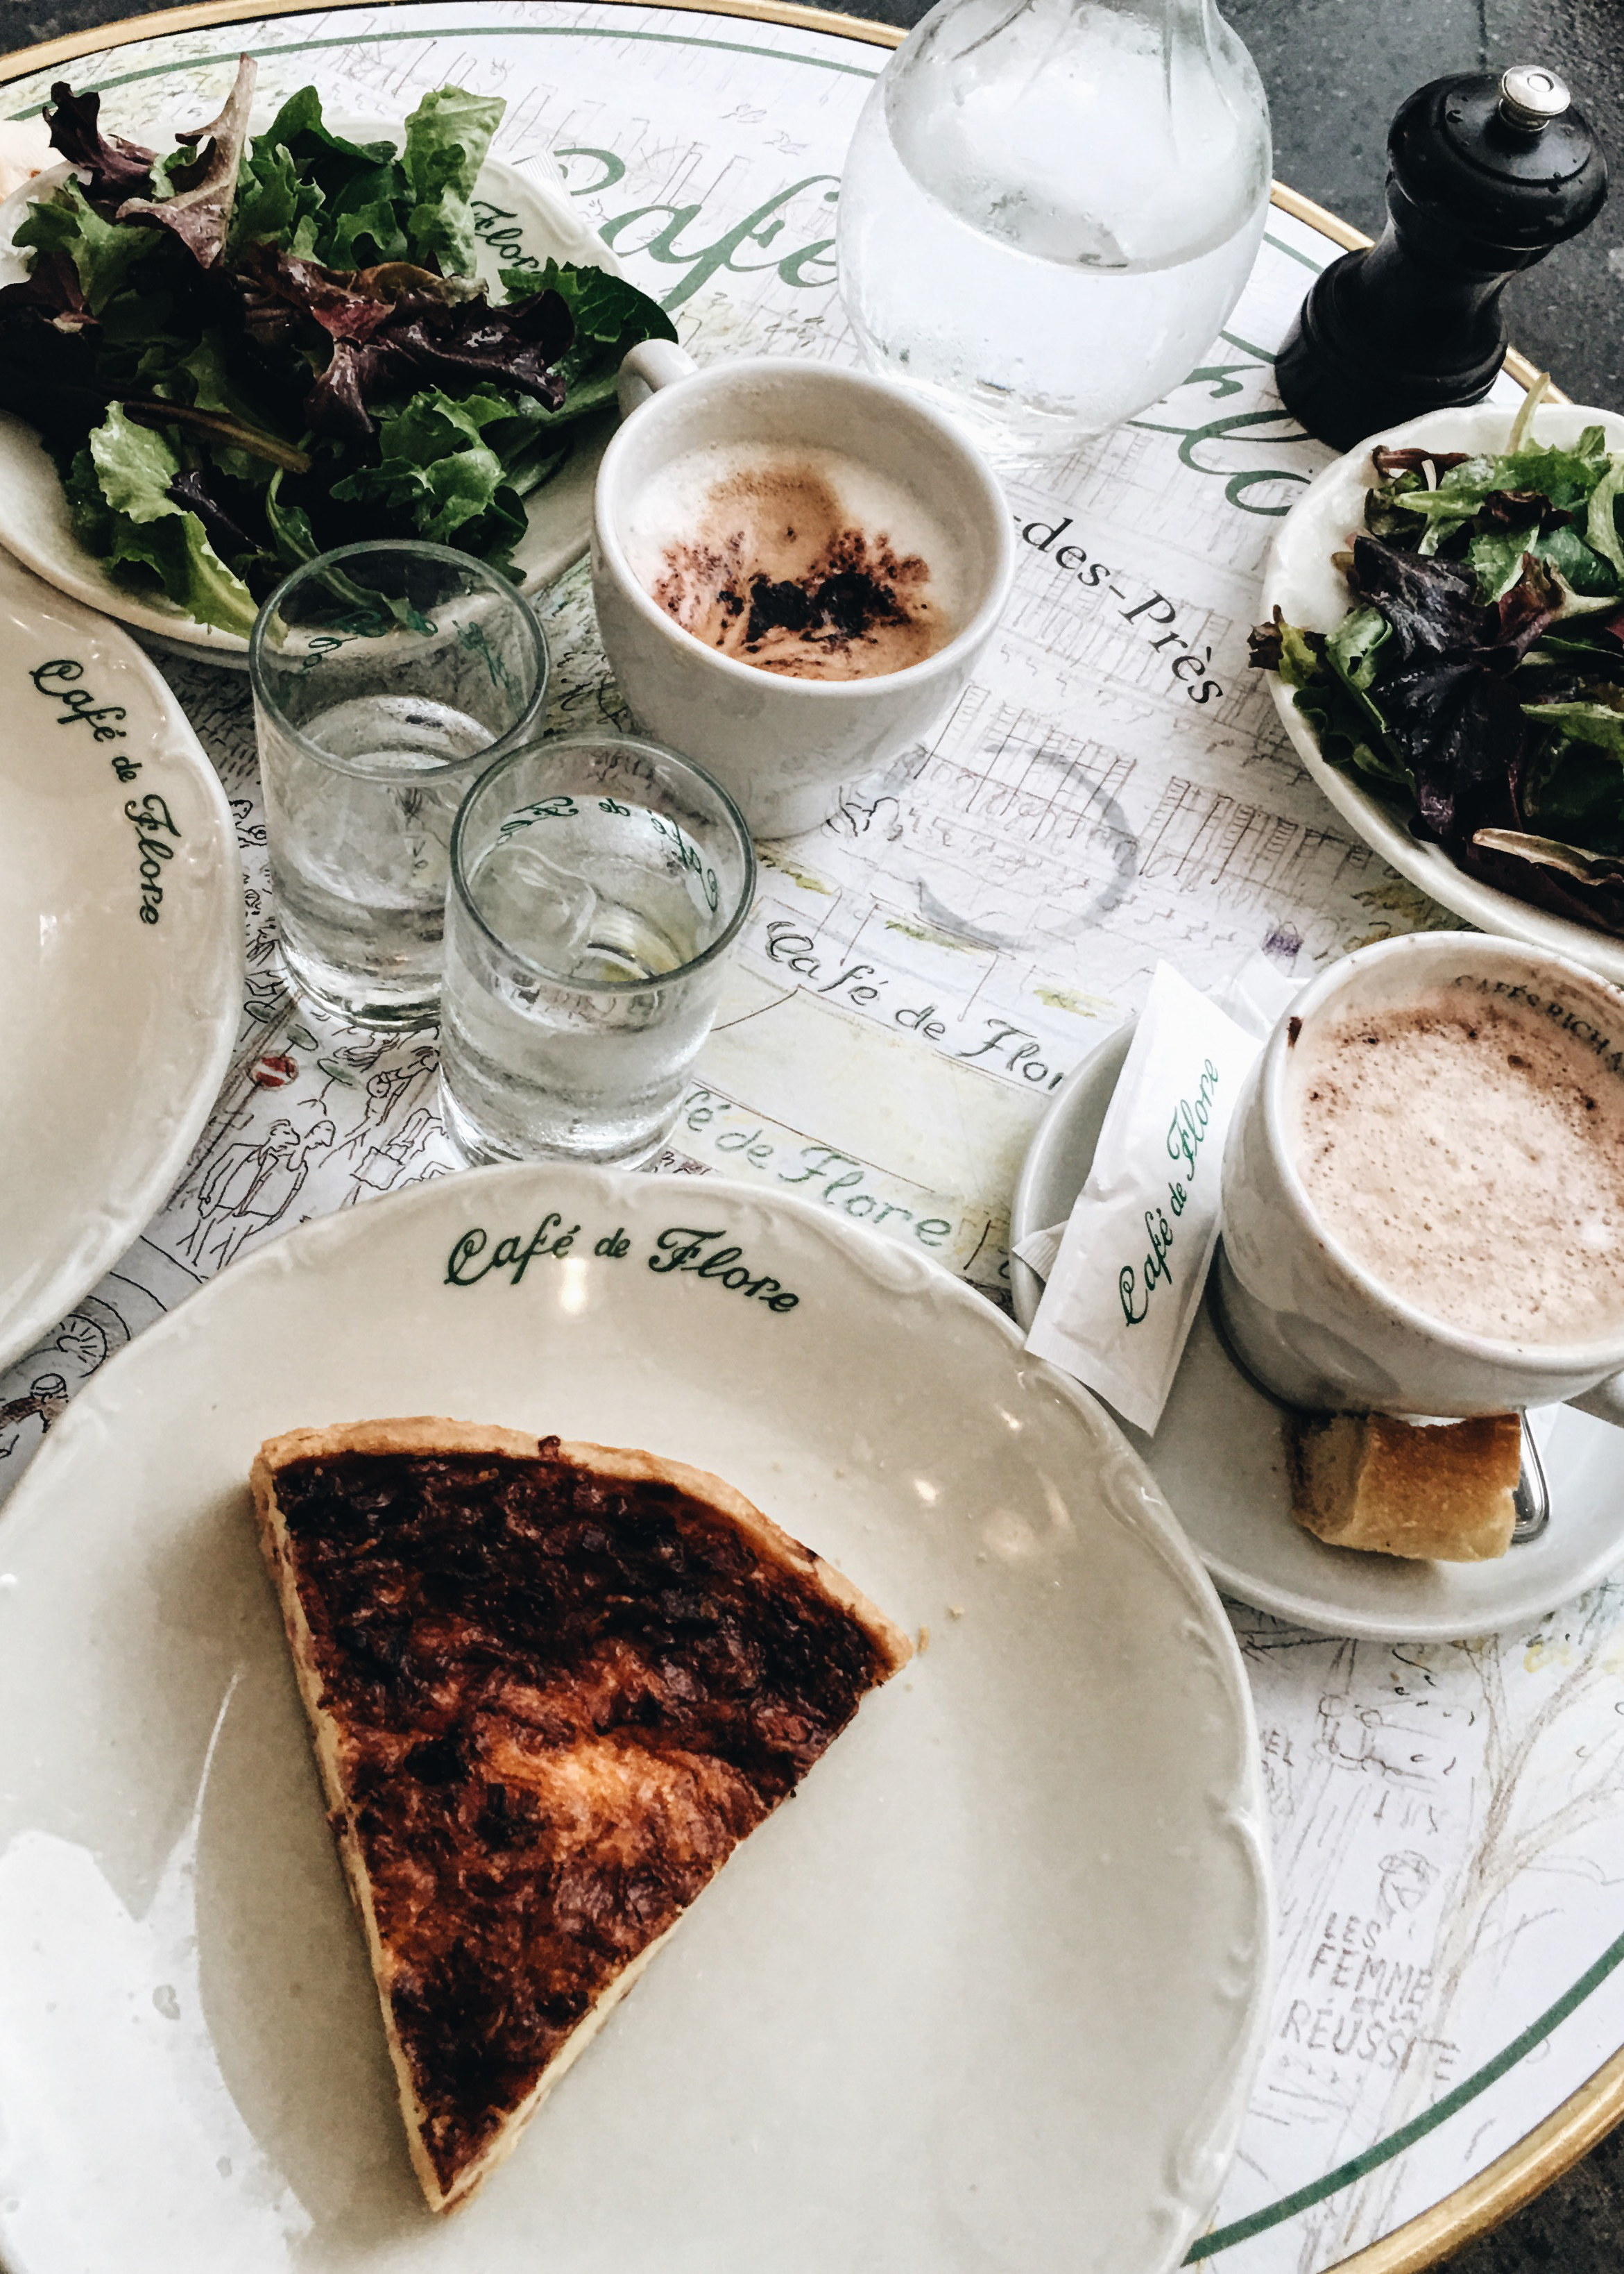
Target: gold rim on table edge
x,y
1573,2128
1525,2170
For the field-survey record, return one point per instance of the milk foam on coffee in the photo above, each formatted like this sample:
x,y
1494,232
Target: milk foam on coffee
x,y
802,562
1472,1158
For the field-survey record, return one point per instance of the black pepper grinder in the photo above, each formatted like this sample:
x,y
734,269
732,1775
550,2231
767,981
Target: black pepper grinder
x,y
1484,175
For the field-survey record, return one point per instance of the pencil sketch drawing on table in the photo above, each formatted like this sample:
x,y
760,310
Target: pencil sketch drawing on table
x,y
917,977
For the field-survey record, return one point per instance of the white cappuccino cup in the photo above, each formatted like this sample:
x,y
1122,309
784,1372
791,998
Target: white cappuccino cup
x,y
1304,1312
783,745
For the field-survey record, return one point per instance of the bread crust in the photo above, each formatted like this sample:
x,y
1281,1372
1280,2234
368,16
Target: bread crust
x,y
1440,1492
431,1435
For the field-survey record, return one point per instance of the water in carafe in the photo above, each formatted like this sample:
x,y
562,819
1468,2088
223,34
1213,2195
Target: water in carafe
x,y
1050,207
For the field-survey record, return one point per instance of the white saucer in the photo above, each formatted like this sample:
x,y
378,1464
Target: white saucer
x,y
1314,595
1218,1457
34,522
988,1993
115,1032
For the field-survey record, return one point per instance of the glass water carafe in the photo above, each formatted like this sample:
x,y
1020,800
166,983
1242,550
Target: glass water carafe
x,y
1050,207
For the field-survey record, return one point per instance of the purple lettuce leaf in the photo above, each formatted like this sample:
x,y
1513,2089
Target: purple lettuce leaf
x,y
199,210
110,169
1446,693
398,329
48,352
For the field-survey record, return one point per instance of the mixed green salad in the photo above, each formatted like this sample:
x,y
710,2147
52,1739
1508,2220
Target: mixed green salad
x,y
1477,681
243,352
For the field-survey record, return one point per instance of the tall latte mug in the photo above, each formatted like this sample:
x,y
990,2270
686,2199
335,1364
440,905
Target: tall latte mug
x,y
781,745
1301,1314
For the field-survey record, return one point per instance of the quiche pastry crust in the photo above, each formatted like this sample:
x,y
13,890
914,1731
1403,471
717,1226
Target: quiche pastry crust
x,y
789,1567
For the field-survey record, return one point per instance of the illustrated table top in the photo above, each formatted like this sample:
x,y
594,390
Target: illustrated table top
x,y
918,976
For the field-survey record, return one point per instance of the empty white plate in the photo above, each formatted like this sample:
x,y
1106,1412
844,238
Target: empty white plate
x,y
120,948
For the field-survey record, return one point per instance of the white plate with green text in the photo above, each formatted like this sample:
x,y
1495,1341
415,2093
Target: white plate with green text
x,y
521,217
121,950
989,1995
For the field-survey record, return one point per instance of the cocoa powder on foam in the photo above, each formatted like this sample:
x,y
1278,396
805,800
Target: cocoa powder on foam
x,y
786,561
1473,1163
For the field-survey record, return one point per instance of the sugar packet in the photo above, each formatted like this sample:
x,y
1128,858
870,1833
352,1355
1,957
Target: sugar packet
x,y
1134,1257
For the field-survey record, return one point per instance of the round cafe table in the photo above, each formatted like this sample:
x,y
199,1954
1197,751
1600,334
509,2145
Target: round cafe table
x,y
919,975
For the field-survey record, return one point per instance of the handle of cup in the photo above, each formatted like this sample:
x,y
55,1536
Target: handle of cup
x,y
653,365
1606,1401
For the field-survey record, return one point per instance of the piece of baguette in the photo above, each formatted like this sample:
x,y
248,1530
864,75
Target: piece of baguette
x,y
783,1567
1440,1491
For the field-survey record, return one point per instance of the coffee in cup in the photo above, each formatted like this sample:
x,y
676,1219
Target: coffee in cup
x,y
801,561
795,570
1469,1154
1423,1186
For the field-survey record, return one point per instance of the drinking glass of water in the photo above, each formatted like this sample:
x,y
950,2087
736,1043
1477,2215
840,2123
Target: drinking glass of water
x,y
386,677
596,883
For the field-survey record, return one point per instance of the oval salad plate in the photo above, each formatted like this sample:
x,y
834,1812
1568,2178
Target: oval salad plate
x,y
990,1993
522,218
121,951
1301,581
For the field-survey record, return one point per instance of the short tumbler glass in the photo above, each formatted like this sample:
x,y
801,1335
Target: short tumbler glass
x,y
386,678
596,883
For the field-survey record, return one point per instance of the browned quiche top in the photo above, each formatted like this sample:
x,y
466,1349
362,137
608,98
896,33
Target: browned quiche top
x,y
563,1698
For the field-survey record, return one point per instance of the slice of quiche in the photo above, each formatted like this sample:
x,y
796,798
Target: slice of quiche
x,y
551,1686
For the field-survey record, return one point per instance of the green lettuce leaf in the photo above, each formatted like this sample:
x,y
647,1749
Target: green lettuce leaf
x,y
275,203
1495,555
435,465
148,530
316,195
1578,643
530,458
1568,478
201,373
1332,675
103,253
1601,523
1299,665
1565,477
1597,723
1583,571
1353,731
1344,733
1354,647
447,139
1575,787
299,128
364,229
1457,499
213,387
89,510
497,532
135,466
610,317
290,526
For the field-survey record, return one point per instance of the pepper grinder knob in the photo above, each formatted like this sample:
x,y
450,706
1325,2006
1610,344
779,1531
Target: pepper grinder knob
x,y
1531,97
1484,175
